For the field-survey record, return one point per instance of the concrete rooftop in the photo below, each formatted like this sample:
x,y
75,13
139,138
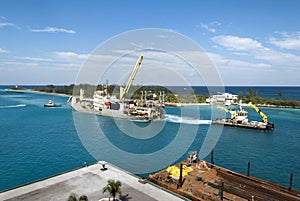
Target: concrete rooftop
x,y
88,181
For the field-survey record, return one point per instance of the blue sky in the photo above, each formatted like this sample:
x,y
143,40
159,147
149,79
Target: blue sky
x,y
253,42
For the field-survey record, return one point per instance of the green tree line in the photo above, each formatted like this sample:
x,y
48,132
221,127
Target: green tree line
x,y
171,95
255,98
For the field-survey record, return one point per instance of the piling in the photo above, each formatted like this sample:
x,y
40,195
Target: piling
x,y
212,158
248,171
291,182
180,177
221,190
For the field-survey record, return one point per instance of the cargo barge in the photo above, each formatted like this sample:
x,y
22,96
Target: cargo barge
x,y
240,119
199,180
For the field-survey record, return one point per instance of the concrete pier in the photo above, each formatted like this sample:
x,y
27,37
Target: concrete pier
x,y
88,181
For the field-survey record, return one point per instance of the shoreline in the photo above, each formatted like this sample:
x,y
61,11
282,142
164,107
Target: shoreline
x,y
167,103
36,92
270,106
243,105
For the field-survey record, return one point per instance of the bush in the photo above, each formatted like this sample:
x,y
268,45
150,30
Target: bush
x,y
83,198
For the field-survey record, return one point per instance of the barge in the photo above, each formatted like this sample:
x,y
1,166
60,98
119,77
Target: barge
x,y
200,180
240,119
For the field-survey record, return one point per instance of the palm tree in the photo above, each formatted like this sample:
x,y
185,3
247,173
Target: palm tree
x,y
72,197
83,198
113,187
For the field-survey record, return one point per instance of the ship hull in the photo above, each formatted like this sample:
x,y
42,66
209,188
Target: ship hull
x,y
248,125
119,113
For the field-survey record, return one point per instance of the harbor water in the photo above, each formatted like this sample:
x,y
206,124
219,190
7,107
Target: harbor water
x,y
38,142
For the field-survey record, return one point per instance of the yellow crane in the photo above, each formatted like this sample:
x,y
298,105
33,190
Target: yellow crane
x,y
234,115
264,117
124,91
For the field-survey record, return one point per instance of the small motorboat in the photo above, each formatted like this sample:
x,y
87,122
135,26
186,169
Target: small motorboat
x,y
52,104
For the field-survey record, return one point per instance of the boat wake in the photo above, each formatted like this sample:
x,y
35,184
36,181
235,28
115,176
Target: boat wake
x,y
12,106
185,120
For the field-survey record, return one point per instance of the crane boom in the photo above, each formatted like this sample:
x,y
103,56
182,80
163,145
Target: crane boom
x,y
124,91
264,117
233,113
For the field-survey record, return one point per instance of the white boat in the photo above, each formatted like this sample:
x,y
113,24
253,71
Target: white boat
x,y
52,104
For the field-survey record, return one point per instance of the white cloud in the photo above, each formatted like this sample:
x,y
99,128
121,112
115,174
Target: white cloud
x,y
54,30
163,68
291,42
163,36
236,43
15,63
256,63
3,51
247,47
225,63
239,72
279,58
7,24
35,58
4,23
211,26
71,55
207,28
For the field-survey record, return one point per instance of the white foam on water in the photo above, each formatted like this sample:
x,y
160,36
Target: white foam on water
x,y
12,106
185,120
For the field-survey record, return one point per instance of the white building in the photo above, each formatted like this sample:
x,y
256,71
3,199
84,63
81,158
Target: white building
x,y
225,98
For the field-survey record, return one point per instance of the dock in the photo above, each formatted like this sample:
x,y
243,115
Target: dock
x,y
205,181
201,181
89,181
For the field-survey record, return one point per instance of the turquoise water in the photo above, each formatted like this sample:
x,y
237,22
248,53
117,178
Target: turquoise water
x,y
38,142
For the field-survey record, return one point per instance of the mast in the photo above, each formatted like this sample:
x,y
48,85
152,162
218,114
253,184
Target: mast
x,y
264,117
124,91
233,113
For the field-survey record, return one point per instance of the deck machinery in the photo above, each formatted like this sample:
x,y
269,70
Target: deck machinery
x,y
239,119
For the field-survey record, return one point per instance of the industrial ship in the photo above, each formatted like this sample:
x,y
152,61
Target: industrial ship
x,y
239,119
104,104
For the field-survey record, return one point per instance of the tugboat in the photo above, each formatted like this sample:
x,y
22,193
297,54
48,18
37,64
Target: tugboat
x,y
52,104
240,119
